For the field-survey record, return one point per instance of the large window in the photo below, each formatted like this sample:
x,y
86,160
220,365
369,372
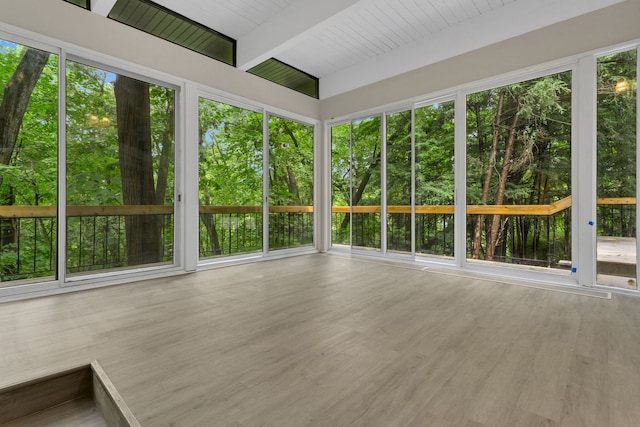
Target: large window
x,y
356,164
519,173
341,184
435,179
230,175
290,183
120,170
29,163
617,166
231,181
398,188
366,185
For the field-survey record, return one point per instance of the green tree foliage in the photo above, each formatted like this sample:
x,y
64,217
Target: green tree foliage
x,y
29,147
616,138
340,181
435,177
398,185
366,184
290,163
617,125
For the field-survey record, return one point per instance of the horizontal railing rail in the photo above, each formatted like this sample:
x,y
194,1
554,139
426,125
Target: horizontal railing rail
x,y
124,210
540,210
96,234
127,210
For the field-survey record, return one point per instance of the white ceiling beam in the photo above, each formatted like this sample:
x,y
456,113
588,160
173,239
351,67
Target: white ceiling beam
x,y
512,20
102,7
287,27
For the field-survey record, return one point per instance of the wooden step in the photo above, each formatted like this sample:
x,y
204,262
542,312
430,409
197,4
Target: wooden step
x,y
80,396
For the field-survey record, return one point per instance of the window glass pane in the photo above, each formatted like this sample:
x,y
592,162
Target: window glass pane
x,y
435,179
340,184
29,163
120,171
365,182
399,181
519,173
230,174
616,205
290,184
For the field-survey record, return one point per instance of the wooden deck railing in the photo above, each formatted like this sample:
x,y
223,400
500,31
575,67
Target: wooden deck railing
x,y
542,210
96,233
76,211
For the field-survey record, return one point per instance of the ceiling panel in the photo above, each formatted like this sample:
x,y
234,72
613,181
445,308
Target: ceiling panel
x,y
366,40
378,28
233,18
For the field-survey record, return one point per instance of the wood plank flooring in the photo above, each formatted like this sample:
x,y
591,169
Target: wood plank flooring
x,y
321,340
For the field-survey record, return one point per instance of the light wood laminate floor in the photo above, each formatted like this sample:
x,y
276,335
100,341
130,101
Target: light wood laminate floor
x,y
321,340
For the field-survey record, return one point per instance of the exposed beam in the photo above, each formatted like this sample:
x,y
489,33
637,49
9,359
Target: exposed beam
x,y
287,28
457,40
102,7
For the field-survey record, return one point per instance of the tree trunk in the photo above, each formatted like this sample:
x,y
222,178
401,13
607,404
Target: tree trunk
x,y
486,186
292,186
166,152
207,220
16,99
502,184
360,190
136,168
292,182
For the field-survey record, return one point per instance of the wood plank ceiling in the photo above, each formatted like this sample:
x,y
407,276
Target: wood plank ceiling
x,y
351,43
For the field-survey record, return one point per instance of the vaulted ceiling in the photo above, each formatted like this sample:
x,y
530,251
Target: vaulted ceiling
x,y
351,43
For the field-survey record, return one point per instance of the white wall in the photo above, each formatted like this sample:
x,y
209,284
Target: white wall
x,y
605,27
68,23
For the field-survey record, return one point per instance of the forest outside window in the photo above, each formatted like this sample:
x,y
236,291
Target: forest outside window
x,y
519,173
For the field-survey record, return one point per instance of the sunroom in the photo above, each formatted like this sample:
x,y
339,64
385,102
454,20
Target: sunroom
x,y
153,139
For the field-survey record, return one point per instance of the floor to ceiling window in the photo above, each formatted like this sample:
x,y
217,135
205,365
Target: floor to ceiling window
x,y
398,183
435,183
232,183
290,183
341,184
356,169
519,173
120,171
230,179
29,168
518,177
616,170
366,185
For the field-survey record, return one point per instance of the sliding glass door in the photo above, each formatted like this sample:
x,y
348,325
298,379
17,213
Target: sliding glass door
x,y
120,171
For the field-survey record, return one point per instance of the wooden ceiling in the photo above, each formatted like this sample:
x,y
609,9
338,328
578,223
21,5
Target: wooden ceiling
x,y
351,43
